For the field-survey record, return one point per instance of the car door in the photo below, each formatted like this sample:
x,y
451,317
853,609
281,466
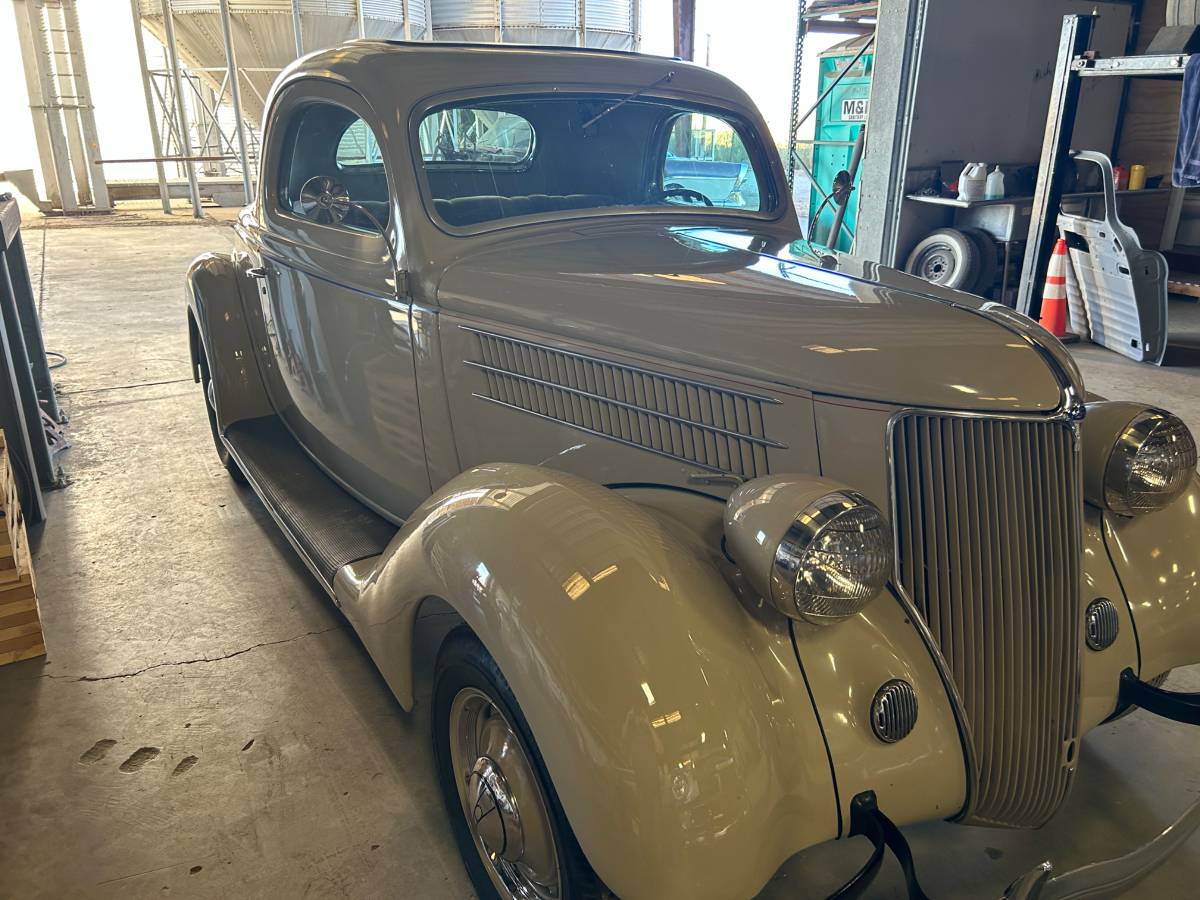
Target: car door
x,y
336,337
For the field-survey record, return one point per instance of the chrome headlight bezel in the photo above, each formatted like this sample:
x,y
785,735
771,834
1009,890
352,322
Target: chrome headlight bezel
x,y
795,585
1127,464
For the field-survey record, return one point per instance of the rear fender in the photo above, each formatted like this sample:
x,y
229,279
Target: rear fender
x,y
673,719
218,330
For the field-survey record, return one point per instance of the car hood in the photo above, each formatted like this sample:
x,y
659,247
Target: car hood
x,y
700,298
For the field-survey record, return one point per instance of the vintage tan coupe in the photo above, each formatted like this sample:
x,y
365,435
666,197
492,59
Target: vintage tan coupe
x,y
747,554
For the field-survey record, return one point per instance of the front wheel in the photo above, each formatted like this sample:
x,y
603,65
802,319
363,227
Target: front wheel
x,y
511,830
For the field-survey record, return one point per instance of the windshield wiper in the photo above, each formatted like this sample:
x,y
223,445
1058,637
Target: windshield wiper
x,y
600,115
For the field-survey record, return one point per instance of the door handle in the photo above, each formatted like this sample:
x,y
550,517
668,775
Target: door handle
x,y
257,272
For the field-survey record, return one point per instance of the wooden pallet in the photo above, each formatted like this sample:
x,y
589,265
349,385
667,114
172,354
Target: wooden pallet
x,y
1185,283
20,624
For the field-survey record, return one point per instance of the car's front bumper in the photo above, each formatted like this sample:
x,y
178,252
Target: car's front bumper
x,y
1111,876
1106,878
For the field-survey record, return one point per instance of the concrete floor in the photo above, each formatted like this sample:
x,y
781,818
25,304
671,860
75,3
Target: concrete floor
x,y
207,726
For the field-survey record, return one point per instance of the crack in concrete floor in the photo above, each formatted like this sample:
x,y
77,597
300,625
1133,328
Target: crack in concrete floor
x,y
188,662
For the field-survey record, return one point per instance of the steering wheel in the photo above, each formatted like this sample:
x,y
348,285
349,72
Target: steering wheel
x,y
324,200
678,190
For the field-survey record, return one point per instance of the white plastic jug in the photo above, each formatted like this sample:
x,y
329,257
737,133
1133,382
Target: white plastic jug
x,y
995,185
973,181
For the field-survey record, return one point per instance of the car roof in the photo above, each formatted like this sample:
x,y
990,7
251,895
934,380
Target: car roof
x,y
508,45
399,74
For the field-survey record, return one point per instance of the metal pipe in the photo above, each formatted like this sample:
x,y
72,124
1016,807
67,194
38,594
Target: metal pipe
x,y
176,159
583,22
235,91
429,20
185,139
299,34
362,22
840,215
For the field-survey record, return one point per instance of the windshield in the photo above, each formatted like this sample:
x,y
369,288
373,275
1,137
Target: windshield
x,y
491,159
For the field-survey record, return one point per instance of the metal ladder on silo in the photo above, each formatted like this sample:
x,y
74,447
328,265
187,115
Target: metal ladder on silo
x,y
60,101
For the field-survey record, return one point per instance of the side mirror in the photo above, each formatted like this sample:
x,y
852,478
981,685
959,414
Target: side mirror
x,y
324,200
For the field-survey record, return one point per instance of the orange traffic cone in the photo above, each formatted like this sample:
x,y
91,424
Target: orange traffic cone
x,y
1054,296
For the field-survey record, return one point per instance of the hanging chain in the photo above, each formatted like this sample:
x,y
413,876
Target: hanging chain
x,y
797,68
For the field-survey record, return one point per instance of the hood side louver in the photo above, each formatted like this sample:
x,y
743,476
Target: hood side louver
x,y
712,428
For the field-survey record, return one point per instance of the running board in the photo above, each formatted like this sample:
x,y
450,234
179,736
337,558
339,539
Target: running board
x,y
326,526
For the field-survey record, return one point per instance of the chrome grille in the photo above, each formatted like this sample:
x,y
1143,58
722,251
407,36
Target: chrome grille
x,y
710,427
987,515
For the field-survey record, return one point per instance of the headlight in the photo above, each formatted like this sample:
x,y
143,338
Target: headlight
x,y
1150,465
834,559
822,564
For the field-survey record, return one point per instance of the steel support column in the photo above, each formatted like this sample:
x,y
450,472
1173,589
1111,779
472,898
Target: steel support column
x,y
235,91
185,139
899,44
684,20
298,32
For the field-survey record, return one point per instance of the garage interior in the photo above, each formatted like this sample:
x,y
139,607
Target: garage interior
x,y
204,722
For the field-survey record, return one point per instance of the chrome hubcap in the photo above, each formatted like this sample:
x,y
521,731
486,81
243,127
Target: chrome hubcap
x,y
502,800
493,811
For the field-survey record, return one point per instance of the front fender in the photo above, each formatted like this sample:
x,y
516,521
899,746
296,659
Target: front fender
x,y
674,721
1157,558
218,329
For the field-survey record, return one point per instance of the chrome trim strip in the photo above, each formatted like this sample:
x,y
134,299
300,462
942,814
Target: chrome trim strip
x,y
1058,359
600,398
600,434
956,701
610,362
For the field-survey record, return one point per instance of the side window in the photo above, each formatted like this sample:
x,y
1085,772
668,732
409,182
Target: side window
x,y
331,170
358,147
460,134
706,163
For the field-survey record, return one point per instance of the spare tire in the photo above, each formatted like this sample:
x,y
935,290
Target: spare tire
x,y
946,257
1183,12
989,261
